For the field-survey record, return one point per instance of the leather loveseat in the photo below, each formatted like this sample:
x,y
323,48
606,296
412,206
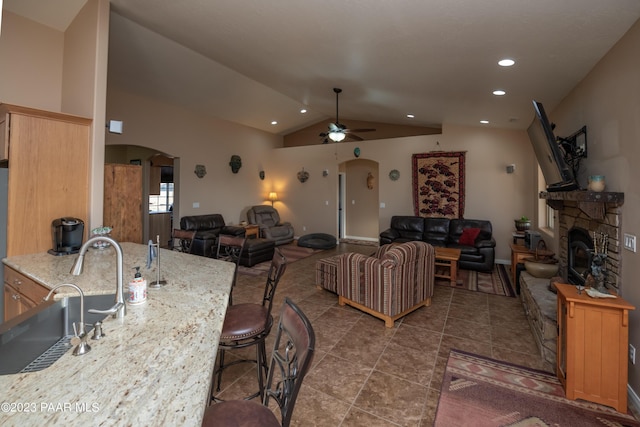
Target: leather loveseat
x,y
474,237
207,228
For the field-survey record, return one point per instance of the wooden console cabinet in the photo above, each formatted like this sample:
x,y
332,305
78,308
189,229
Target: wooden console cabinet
x,y
593,346
20,293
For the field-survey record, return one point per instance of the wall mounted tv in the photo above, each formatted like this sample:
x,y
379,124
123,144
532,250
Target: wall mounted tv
x,y
557,173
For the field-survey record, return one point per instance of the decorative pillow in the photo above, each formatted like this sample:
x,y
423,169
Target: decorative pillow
x,y
468,236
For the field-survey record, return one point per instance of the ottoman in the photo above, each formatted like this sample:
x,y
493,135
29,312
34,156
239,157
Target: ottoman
x,y
326,273
256,251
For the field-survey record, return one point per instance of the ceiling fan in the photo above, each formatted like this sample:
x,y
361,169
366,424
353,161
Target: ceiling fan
x,y
337,131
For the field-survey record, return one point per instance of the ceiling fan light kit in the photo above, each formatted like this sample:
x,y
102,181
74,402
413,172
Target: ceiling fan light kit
x,y
338,132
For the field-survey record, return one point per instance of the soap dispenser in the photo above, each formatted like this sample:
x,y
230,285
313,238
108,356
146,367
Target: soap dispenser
x,y
137,289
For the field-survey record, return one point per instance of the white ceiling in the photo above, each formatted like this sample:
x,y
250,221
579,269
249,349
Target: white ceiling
x,y
254,61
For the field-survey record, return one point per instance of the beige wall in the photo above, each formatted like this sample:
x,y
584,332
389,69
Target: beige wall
x,y
197,139
608,102
31,62
63,72
491,193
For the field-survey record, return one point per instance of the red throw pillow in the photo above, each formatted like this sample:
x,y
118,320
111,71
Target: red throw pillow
x,y
468,236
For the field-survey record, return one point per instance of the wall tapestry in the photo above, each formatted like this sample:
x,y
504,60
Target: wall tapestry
x,y
438,184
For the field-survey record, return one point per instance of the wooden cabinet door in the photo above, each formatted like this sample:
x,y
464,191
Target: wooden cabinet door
x,y
123,201
48,177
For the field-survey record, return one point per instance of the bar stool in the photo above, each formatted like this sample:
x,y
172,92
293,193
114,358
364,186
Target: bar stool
x,y
249,324
290,361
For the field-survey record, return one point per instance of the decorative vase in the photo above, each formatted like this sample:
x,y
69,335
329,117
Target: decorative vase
x,y
542,270
596,183
522,225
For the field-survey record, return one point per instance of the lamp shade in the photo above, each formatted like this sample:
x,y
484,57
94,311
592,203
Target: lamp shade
x,y
336,136
273,196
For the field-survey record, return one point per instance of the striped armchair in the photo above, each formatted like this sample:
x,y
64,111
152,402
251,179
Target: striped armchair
x,y
392,283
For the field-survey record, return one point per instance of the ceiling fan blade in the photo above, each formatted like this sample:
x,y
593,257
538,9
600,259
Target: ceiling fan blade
x,y
335,127
358,130
354,136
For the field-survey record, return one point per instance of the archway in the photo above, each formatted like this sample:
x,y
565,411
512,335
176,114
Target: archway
x,y
358,206
160,188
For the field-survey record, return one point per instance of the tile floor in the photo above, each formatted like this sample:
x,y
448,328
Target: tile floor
x,y
365,374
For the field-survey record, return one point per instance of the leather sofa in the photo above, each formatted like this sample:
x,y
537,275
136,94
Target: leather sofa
x,y
208,228
477,253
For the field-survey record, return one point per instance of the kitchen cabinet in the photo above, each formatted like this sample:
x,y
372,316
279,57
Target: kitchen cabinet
x,y
160,225
48,161
123,201
155,173
592,347
20,293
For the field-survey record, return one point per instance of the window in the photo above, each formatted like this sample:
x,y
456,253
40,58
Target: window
x,y
162,202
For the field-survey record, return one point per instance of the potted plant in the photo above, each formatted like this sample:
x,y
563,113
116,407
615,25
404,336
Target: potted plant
x,y
523,223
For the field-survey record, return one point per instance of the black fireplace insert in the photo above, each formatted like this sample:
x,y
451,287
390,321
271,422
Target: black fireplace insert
x,y
580,250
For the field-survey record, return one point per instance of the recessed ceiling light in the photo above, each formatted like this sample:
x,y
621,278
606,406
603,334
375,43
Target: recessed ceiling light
x,y
506,62
484,122
274,122
410,116
304,110
499,92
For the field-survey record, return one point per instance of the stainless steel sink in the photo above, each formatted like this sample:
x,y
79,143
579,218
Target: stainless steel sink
x,y
43,333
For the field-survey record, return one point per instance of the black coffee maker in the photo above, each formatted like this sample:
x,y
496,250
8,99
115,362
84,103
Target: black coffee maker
x,y
67,234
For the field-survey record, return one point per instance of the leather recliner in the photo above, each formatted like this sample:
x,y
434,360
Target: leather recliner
x,y
207,228
268,219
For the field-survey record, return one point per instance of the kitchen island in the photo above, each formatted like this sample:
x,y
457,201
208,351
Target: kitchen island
x,y
153,367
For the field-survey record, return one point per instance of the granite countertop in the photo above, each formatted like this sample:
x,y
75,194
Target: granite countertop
x,y
154,367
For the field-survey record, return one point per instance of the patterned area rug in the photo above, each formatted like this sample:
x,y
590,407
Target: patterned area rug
x,y
497,282
291,251
482,392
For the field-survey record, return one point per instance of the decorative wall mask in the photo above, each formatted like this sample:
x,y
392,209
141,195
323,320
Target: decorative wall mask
x,y
303,175
371,180
235,163
356,151
261,174
201,170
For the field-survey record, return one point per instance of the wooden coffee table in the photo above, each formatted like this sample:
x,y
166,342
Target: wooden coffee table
x,y
447,264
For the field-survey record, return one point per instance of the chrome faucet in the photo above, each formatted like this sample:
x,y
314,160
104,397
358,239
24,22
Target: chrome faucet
x,y
118,310
79,330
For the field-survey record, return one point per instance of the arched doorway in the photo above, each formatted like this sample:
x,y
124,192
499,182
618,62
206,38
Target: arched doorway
x,y
159,189
358,205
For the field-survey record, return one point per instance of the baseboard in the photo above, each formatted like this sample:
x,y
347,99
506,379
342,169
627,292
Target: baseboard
x,y
633,400
503,261
366,239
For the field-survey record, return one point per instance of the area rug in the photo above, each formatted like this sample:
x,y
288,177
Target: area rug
x,y
482,392
291,251
497,282
438,184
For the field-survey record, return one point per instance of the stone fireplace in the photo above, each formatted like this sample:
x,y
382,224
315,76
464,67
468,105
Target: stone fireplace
x,y
580,215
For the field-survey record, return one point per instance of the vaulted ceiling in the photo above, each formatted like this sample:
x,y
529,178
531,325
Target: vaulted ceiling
x,y
254,62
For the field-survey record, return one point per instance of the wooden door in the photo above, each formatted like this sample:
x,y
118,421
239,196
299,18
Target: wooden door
x,y
123,201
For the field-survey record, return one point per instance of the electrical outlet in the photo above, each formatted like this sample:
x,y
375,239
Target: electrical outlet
x,y
304,228
632,354
630,242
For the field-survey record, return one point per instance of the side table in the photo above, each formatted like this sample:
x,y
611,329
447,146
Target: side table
x,y
251,231
518,253
446,263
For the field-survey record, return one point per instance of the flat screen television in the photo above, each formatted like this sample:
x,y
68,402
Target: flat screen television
x,y
557,174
